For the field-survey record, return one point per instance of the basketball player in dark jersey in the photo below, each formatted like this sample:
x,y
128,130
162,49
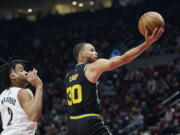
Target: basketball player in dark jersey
x,y
82,85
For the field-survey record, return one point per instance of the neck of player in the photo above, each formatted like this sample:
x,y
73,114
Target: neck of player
x,y
20,85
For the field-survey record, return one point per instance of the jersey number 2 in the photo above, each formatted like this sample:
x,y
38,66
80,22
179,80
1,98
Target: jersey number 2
x,y
11,116
74,94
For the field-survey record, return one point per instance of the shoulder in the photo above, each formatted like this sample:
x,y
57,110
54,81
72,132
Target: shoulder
x,y
69,72
25,93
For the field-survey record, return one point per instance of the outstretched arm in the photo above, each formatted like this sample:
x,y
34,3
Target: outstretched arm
x,y
94,70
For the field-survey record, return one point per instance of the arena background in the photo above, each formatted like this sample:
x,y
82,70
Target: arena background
x,y
141,98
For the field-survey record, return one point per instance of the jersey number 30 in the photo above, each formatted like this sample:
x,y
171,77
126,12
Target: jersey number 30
x,y
74,94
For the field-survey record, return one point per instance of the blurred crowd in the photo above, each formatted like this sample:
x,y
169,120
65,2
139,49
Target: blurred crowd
x,y
129,96
170,122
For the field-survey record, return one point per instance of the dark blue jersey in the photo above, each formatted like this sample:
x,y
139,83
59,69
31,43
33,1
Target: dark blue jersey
x,y
82,95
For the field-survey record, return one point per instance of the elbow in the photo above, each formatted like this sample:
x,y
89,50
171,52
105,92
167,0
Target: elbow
x,y
35,117
117,61
126,60
111,65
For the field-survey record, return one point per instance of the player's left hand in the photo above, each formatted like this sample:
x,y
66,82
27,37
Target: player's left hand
x,y
34,79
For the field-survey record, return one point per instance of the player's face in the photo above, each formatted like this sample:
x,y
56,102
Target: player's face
x,y
90,53
19,75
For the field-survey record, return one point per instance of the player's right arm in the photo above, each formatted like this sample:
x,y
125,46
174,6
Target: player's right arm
x,y
32,105
95,69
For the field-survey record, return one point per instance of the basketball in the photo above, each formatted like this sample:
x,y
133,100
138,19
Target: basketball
x,y
149,21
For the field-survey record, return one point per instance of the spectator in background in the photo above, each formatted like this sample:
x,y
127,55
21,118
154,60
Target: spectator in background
x,y
176,114
168,117
144,109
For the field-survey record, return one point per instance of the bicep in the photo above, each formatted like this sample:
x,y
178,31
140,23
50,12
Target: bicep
x,y
95,69
25,98
103,65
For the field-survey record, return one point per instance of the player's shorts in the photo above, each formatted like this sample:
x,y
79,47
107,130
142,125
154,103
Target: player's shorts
x,y
87,124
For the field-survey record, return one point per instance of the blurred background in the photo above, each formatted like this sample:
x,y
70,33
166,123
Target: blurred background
x,y
140,98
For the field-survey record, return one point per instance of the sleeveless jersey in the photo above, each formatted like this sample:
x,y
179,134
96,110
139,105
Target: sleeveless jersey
x,y
14,118
82,95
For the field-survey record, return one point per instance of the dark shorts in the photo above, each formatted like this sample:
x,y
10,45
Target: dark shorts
x,y
88,126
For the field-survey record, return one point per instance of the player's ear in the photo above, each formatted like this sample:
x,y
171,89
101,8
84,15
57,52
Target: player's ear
x,y
81,54
12,75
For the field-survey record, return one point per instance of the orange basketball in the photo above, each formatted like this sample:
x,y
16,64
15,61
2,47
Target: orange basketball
x,y
149,21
